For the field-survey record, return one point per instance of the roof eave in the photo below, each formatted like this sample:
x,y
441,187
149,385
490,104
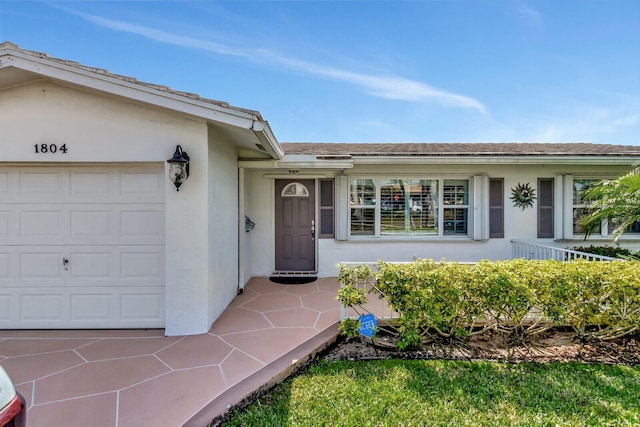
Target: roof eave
x,y
497,159
263,132
137,91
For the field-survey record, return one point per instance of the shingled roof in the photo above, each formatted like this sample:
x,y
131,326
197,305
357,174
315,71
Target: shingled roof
x,y
459,149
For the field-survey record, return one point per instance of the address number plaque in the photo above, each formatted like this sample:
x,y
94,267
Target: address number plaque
x,y
50,148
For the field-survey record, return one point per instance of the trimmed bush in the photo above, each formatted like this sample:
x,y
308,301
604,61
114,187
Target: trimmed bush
x,y
517,298
610,251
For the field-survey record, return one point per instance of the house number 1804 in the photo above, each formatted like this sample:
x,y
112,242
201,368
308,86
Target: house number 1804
x,y
50,148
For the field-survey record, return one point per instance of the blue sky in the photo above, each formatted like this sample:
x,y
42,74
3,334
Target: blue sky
x,y
371,71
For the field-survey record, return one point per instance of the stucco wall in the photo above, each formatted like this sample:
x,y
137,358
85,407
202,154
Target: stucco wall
x,y
223,224
260,208
518,223
96,129
187,245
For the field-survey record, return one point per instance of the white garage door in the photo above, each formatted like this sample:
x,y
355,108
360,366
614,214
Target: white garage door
x,y
81,247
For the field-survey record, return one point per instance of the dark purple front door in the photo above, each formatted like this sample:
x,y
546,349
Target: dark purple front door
x,y
295,225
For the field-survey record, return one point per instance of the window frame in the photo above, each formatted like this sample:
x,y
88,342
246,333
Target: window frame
x,y
605,227
439,206
389,202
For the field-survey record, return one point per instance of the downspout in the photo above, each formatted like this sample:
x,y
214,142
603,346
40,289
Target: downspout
x,y
241,232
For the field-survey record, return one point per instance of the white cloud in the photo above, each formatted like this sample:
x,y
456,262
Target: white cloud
x,y
584,124
625,121
387,87
531,15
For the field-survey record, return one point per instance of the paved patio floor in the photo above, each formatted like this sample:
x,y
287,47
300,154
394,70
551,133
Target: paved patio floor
x,y
142,378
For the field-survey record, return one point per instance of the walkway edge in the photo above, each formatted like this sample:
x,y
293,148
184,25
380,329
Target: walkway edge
x,y
268,376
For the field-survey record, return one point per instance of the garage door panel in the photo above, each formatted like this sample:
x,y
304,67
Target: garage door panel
x,y
107,222
4,183
43,183
88,184
80,307
140,183
141,306
6,307
92,307
43,306
141,265
4,224
90,224
145,224
45,266
92,266
122,265
42,224
91,183
124,308
5,258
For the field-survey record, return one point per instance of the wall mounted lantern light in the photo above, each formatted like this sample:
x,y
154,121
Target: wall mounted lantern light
x,y
179,167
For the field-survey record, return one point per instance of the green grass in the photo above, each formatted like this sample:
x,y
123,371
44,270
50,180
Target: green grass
x,y
450,393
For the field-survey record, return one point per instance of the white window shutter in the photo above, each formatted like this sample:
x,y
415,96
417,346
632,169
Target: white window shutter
x,y
342,207
480,207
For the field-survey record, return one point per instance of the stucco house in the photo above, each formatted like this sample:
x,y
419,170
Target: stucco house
x,y
94,234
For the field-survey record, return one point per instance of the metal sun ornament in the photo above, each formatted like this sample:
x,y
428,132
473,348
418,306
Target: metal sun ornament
x,y
523,196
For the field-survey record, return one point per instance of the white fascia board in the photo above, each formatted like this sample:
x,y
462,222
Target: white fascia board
x,y
496,160
297,164
130,90
265,135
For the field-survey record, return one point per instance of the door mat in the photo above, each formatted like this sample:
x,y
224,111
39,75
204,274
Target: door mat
x,y
293,280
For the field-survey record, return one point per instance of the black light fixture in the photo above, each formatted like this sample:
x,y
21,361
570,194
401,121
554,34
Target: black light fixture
x,y
179,167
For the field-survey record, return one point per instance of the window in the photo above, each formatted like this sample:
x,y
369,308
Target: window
x,y
363,206
295,189
456,206
409,207
581,208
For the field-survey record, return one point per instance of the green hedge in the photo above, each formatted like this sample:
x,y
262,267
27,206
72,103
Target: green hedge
x,y
518,298
610,251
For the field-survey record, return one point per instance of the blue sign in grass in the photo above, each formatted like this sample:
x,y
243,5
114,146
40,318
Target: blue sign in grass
x,y
368,325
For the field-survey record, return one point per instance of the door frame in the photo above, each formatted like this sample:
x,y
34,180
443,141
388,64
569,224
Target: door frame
x,y
279,185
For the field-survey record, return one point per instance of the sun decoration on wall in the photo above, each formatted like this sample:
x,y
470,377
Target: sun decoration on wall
x,y
523,196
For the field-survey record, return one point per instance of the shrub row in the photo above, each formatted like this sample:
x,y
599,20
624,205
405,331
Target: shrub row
x,y
610,251
518,298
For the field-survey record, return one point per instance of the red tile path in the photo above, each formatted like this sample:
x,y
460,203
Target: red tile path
x,y
141,378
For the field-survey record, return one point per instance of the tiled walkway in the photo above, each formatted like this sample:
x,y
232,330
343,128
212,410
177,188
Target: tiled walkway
x,y
141,378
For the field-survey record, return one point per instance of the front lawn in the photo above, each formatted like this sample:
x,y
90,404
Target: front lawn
x,y
450,393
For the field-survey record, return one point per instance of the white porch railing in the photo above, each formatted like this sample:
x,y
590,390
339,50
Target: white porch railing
x,y
528,250
374,304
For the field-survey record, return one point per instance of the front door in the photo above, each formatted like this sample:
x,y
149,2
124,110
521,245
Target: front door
x,y
295,225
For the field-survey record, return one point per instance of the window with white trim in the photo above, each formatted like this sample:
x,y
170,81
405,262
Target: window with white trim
x,y
409,207
456,206
581,208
